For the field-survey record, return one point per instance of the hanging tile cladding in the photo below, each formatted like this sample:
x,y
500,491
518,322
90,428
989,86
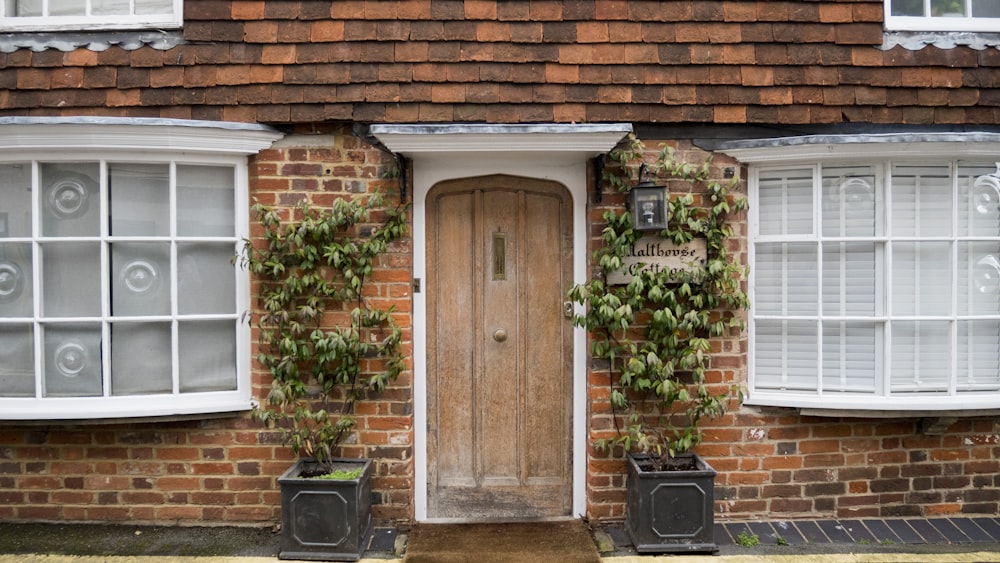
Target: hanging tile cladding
x,y
429,61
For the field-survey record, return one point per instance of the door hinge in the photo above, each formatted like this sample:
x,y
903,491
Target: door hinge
x,y
416,285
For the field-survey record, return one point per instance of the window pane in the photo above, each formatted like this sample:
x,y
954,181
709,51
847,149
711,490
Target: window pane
x,y
979,278
140,278
206,278
978,201
785,355
948,8
140,199
17,361
15,200
70,200
785,279
205,201
921,201
921,356
978,355
207,356
849,201
849,278
67,7
785,200
73,360
140,358
985,9
71,279
15,280
109,7
153,7
907,7
849,356
921,278
24,8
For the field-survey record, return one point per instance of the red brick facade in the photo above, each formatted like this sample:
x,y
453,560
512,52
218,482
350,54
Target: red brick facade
x,y
315,68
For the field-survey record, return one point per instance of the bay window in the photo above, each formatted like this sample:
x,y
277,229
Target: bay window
x,y
875,282
118,293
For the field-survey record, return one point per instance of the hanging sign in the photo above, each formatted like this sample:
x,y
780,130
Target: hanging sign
x,y
659,254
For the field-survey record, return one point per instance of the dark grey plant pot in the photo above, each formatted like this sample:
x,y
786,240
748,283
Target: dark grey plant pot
x,y
325,519
671,511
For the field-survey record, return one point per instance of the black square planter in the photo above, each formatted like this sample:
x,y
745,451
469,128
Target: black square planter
x,y
325,519
671,511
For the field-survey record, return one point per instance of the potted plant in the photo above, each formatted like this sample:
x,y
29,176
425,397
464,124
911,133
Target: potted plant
x,y
326,347
654,333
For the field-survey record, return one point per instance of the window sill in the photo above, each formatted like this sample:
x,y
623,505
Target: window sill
x,y
856,406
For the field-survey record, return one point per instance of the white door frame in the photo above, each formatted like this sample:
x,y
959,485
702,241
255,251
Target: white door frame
x,y
549,152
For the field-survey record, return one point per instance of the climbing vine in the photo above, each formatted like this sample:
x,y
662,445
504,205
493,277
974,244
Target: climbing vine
x,y
324,342
654,332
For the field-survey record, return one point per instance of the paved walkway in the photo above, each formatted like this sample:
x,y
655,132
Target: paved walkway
x,y
958,540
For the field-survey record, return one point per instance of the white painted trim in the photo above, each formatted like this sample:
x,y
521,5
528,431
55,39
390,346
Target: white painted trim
x,y
434,161
789,150
174,18
102,133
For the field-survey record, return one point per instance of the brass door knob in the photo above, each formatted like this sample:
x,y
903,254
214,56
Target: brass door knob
x,y
500,335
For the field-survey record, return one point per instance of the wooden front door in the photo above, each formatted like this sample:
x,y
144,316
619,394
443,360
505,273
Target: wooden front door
x,y
499,349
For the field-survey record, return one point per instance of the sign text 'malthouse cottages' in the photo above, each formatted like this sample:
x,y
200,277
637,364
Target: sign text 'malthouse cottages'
x,y
657,254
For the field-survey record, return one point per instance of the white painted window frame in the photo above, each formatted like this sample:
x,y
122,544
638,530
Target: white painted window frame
x,y
172,20
152,141
939,23
809,151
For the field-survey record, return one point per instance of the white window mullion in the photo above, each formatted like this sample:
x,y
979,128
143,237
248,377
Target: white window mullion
x,y
173,281
36,272
106,281
882,387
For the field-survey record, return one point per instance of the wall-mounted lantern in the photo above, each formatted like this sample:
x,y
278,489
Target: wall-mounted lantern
x,y
649,203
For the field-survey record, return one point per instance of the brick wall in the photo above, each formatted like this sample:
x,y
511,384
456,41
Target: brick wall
x,y
223,470
774,463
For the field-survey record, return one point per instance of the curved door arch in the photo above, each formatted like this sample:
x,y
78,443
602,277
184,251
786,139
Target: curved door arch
x,y
499,349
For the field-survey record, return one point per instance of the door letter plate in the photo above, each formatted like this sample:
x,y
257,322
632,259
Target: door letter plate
x,y
499,256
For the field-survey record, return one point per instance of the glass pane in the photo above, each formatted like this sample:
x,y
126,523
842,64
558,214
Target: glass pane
x,y
206,278
207,356
25,8
205,201
15,200
978,355
921,356
73,360
67,7
849,278
785,355
70,199
907,7
979,278
785,279
849,352
985,9
140,278
948,8
849,197
109,7
140,199
71,279
143,7
921,201
140,358
16,285
17,361
785,202
921,278
979,200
